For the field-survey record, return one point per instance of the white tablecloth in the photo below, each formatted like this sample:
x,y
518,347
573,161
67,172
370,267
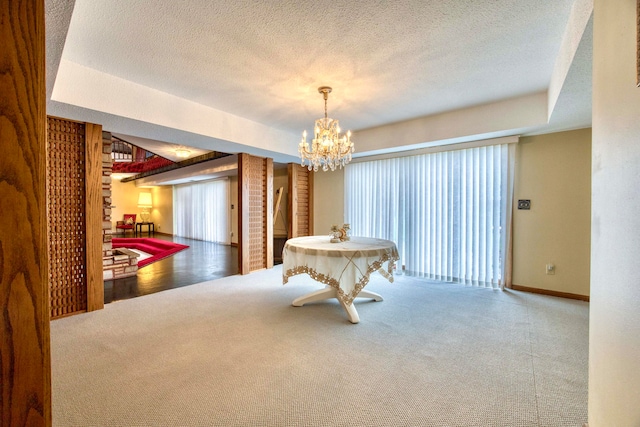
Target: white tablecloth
x,y
345,266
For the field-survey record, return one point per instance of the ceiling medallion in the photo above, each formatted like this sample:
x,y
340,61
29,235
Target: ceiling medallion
x,y
328,149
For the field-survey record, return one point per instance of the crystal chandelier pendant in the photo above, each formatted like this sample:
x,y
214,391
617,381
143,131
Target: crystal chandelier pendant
x,y
328,149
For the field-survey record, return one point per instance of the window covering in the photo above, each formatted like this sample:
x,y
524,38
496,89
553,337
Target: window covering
x,y
448,212
201,211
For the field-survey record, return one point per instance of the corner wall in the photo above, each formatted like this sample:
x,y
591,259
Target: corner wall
x,y
328,200
614,320
124,199
162,212
554,172
281,180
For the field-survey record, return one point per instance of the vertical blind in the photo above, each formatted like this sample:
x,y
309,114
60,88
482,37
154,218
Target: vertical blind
x,y
449,213
201,211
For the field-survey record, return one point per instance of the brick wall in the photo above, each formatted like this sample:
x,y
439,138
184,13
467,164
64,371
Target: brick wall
x,y
117,263
106,194
123,263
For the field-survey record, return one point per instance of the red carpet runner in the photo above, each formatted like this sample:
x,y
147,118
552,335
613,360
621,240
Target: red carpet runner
x,y
157,248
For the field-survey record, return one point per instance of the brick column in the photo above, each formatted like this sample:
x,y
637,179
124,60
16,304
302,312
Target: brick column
x,y
117,263
106,194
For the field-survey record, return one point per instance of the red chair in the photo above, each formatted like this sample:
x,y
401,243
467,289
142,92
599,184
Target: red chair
x,y
128,223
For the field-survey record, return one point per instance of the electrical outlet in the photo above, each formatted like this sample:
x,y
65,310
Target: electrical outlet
x,y
158,227
550,269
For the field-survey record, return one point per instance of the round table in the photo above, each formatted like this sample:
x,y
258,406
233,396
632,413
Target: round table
x,y
344,267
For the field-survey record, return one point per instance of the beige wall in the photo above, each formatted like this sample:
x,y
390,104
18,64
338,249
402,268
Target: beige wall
x,y
614,317
124,196
554,172
281,179
328,200
162,212
124,199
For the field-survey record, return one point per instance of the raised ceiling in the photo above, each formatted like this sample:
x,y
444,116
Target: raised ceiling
x,y
240,76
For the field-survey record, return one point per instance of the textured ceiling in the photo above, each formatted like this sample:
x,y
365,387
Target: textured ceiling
x,y
263,61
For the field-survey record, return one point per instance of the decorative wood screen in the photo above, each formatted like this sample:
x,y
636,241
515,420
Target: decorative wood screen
x,y
255,200
67,224
74,252
300,201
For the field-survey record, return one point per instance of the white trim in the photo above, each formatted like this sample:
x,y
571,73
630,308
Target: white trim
x,y
437,149
202,181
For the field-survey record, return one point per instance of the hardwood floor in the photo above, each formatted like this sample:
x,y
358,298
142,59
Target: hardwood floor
x,y
202,261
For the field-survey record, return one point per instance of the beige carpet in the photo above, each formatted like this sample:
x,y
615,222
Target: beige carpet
x,y
234,352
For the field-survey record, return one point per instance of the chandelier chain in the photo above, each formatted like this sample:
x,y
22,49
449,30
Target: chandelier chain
x,y
325,105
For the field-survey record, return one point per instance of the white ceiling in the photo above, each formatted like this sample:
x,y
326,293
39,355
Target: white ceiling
x,y
242,76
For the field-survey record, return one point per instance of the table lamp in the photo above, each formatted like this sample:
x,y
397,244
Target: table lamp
x,y
144,202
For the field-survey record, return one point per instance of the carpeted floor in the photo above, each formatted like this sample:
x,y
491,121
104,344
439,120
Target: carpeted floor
x,y
234,352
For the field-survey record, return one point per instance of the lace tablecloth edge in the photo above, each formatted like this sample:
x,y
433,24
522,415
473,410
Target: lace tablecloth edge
x,y
330,281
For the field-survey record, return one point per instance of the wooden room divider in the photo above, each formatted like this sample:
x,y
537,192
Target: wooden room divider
x,y
74,204
300,201
255,207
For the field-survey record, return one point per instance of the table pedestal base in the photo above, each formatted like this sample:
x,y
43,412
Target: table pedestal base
x,y
328,293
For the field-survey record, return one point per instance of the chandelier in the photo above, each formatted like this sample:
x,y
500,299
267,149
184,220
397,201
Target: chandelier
x,y
328,149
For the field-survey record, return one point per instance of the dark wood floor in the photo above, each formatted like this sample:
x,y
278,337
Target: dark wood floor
x,y
202,261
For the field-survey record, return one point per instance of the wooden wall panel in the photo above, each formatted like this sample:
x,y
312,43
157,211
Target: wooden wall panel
x,y
25,367
93,215
255,203
243,213
300,201
268,220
